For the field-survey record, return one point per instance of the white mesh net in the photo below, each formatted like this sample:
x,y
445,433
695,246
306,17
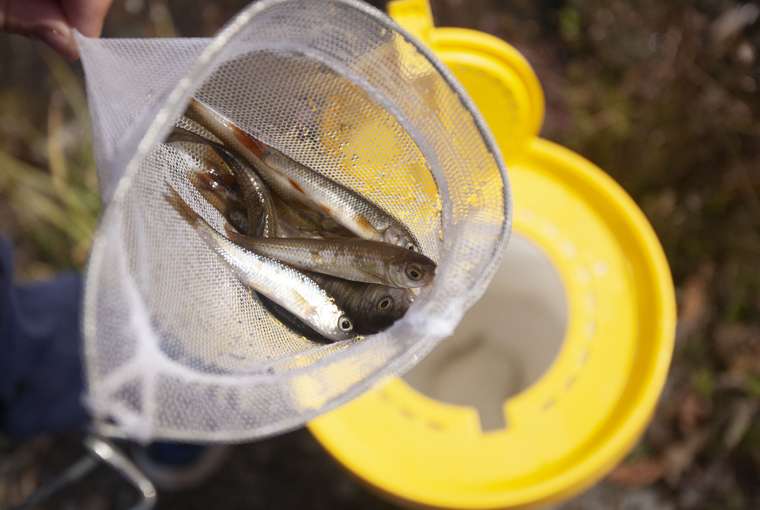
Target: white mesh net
x,y
175,347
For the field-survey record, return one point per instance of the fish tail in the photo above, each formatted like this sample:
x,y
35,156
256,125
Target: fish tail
x,y
175,200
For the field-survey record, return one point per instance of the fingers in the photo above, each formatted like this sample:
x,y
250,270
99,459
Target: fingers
x,y
39,19
86,15
51,21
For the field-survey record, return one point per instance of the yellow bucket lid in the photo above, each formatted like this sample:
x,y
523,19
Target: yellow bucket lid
x,y
572,426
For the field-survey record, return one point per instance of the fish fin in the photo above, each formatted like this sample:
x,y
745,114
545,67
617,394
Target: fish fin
x,y
364,223
324,234
230,231
179,134
233,235
175,200
295,186
373,277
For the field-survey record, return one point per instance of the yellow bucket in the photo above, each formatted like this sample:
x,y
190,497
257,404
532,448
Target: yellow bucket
x,y
585,412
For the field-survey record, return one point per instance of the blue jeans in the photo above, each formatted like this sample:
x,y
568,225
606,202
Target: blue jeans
x,y
41,380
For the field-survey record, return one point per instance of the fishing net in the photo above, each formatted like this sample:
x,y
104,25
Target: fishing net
x,y
175,347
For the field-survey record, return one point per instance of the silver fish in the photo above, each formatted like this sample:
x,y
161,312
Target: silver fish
x,y
255,193
284,285
298,183
289,230
353,259
227,202
230,135
215,186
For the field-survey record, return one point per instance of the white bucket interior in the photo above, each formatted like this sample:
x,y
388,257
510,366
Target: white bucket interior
x,y
505,343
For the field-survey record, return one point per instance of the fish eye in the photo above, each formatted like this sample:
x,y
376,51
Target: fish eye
x,y
414,271
411,246
345,324
384,305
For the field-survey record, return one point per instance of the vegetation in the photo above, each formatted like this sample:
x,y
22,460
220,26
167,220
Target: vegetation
x,y
662,95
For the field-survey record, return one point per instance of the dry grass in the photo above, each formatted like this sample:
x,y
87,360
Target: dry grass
x,y
55,201
662,95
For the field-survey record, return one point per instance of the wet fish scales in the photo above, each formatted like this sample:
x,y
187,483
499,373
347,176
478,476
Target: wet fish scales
x,y
349,258
297,182
231,137
255,193
284,285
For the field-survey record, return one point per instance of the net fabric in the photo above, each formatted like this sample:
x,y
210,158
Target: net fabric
x,y
175,347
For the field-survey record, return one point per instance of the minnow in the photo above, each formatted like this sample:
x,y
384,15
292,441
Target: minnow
x,y
255,193
353,259
286,286
297,182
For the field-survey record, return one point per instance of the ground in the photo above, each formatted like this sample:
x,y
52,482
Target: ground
x,y
661,95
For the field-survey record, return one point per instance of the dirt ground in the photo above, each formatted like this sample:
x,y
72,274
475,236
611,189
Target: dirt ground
x,y
661,95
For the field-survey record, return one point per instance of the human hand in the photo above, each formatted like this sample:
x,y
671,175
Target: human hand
x,y
52,21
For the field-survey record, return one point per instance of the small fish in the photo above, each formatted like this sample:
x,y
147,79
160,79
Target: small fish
x,y
347,207
286,286
375,307
298,183
349,258
213,188
255,193
229,134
